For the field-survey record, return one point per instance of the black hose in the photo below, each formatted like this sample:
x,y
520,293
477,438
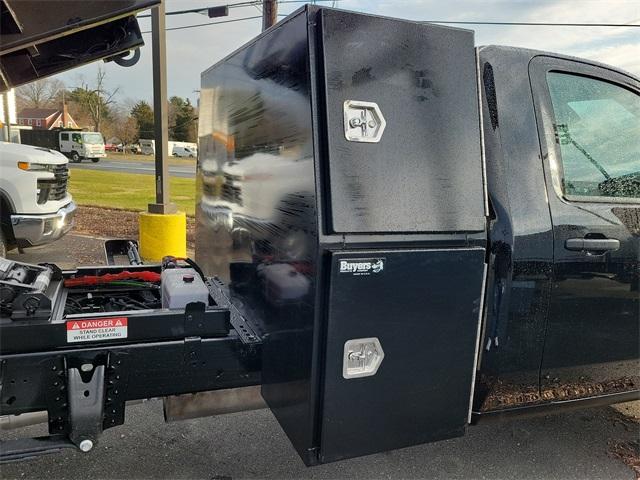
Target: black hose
x,y
195,266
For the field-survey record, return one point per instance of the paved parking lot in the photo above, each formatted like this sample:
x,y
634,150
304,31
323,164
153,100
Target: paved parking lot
x,y
252,445
67,253
574,445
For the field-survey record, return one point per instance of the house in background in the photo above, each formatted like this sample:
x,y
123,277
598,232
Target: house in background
x,y
46,118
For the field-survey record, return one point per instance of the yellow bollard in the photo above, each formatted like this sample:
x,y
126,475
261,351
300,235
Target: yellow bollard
x,y
162,234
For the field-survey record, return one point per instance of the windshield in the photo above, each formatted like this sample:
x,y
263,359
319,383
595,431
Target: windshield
x,y
92,138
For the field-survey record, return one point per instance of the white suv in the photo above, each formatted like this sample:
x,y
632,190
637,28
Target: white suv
x,y
35,206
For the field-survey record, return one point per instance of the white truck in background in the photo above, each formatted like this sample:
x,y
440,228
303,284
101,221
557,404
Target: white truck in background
x,y
74,144
176,149
35,205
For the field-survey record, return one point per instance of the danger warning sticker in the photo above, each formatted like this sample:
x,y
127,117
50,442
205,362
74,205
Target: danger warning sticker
x,y
96,329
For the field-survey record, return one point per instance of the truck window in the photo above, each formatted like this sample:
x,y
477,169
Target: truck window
x,y
76,137
64,136
93,138
597,125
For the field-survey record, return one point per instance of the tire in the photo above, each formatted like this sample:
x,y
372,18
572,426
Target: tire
x,y
95,160
75,158
175,154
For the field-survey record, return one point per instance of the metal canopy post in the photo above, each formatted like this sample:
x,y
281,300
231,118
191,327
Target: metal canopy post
x,y
6,120
160,111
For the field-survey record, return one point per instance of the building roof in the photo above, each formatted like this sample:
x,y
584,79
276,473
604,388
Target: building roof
x,y
37,112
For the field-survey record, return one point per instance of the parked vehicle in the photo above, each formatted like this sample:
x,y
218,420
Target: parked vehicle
x,y
76,145
147,147
177,149
35,206
397,242
113,147
180,151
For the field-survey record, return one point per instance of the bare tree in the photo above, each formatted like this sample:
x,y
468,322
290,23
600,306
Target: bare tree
x,y
95,100
127,131
39,94
121,124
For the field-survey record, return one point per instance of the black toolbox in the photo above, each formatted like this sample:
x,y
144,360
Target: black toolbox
x,y
341,194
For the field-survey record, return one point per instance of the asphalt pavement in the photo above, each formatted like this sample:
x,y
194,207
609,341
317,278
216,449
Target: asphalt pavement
x,y
573,445
252,445
69,252
143,167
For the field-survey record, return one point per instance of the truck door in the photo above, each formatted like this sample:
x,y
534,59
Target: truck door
x,y
589,125
76,141
65,142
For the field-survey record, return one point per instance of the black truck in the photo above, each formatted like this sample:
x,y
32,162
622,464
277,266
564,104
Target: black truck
x,y
400,235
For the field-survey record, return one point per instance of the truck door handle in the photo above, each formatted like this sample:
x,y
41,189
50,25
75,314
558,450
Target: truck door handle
x,y
592,244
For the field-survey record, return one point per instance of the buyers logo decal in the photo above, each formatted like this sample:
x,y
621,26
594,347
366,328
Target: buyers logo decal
x,y
362,266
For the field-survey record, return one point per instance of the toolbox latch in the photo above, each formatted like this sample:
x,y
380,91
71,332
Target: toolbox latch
x,y
363,121
362,357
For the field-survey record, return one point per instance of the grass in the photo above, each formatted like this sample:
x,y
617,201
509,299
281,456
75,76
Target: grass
x,y
131,157
127,191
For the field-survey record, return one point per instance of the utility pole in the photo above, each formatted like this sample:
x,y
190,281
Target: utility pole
x,y
7,116
160,111
269,13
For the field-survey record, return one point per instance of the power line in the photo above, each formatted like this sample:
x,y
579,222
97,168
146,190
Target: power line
x,y
446,22
214,23
209,23
203,9
534,24
231,5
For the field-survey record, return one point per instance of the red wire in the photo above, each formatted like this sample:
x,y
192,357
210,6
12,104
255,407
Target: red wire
x,y
144,275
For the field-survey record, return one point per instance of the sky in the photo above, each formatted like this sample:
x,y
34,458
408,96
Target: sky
x,y
190,51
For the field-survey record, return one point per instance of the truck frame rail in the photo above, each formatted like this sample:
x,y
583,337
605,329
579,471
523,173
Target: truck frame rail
x,y
84,389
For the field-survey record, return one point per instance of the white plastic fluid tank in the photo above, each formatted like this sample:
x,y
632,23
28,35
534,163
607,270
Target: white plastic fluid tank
x,y
181,286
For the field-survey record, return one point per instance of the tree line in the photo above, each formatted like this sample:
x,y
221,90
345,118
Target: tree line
x,y
92,105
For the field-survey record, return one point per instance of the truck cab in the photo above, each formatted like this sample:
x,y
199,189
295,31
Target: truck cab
x,y
562,140
78,145
35,205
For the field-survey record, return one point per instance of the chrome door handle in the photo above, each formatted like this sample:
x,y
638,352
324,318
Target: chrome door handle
x,y
592,244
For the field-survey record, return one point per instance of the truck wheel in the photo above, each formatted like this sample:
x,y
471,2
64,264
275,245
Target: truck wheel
x,y
75,158
95,160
